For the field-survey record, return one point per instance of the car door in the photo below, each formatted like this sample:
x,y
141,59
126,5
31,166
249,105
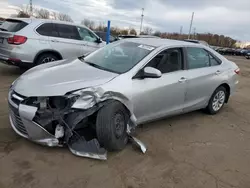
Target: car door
x,y
67,42
159,97
203,78
89,39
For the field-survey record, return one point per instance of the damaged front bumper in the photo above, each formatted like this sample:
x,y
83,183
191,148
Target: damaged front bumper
x,y
21,119
24,123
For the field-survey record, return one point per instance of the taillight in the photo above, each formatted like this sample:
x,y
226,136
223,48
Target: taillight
x,y
17,40
237,71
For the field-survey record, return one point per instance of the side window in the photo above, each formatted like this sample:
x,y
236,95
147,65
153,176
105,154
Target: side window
x,y
67,31
111,38
213,61
47,29
197,58
86,35
168,61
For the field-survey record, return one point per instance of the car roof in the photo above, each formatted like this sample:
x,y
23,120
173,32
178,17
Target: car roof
x,y
36,20
155,42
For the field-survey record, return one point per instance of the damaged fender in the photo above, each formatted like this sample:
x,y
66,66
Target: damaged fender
x,y
89,97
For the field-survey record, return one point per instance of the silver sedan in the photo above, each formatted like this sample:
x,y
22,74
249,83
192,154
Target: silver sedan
x,y
94,103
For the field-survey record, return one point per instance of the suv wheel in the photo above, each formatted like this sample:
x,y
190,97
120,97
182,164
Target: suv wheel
x,y
46,58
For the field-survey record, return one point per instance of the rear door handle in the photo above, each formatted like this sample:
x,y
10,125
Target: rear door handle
x,y
218,72
182,79
54,41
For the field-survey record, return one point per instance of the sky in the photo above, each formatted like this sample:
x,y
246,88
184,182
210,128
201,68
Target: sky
x,y
227,17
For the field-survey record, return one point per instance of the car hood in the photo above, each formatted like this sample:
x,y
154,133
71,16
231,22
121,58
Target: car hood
x,y
58,78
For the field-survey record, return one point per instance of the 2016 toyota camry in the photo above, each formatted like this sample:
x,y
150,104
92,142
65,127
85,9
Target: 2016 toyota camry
x,y
93,103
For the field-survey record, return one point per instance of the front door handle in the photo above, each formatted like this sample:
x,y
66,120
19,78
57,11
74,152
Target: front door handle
x,y
54,41
182,79
218,72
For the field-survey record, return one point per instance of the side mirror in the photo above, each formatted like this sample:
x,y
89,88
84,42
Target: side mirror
x,y
98,40
150,72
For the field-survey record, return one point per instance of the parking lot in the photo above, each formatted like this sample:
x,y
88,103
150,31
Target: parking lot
x,y
191,150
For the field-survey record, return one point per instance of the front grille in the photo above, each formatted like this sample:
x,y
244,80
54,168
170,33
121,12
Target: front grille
x,y
15,98
17,122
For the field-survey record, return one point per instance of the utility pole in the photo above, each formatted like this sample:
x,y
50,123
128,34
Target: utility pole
x,y
31,8
141,19
191,23
194,32
181,30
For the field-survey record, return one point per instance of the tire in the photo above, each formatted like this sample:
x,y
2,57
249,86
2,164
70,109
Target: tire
x,y
111,126
217,101
46,58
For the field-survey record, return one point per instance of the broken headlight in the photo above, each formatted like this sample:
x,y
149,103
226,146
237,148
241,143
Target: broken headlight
x,y
57,102
84,99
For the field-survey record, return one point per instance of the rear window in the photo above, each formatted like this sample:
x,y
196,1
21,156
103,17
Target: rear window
x,y
12,25
48,29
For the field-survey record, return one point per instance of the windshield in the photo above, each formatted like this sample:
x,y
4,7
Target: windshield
x,y
118,57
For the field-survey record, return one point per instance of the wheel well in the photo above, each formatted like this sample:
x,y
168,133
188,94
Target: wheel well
x,y
57,54
227,87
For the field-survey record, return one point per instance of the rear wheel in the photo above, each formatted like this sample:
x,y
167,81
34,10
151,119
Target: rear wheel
x,y
46,58
111,126
217,100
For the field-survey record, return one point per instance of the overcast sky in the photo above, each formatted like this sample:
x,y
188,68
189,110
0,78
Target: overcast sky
x,y
228,17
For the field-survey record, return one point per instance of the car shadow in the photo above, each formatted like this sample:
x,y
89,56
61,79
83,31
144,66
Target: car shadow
x,y
8,70
170,121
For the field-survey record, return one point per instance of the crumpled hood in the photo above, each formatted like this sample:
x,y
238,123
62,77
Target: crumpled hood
x,y
58,78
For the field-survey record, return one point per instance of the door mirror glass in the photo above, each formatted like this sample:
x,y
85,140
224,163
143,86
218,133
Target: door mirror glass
x,y
150,72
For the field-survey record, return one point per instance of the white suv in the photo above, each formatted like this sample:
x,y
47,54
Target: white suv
x,y
29,42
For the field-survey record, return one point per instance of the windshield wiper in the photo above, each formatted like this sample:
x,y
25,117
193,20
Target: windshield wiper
x,y
2,29
94,65
98,66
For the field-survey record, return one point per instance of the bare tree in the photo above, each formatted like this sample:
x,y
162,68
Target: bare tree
x,y
42,13
88,23
23,12
64,17
132,31
124,32
157,33
147,30
54,15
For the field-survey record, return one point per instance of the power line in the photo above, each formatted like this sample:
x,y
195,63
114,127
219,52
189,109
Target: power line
x,y
141,19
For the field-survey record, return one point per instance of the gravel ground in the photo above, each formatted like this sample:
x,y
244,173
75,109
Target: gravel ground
x,y
190,150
